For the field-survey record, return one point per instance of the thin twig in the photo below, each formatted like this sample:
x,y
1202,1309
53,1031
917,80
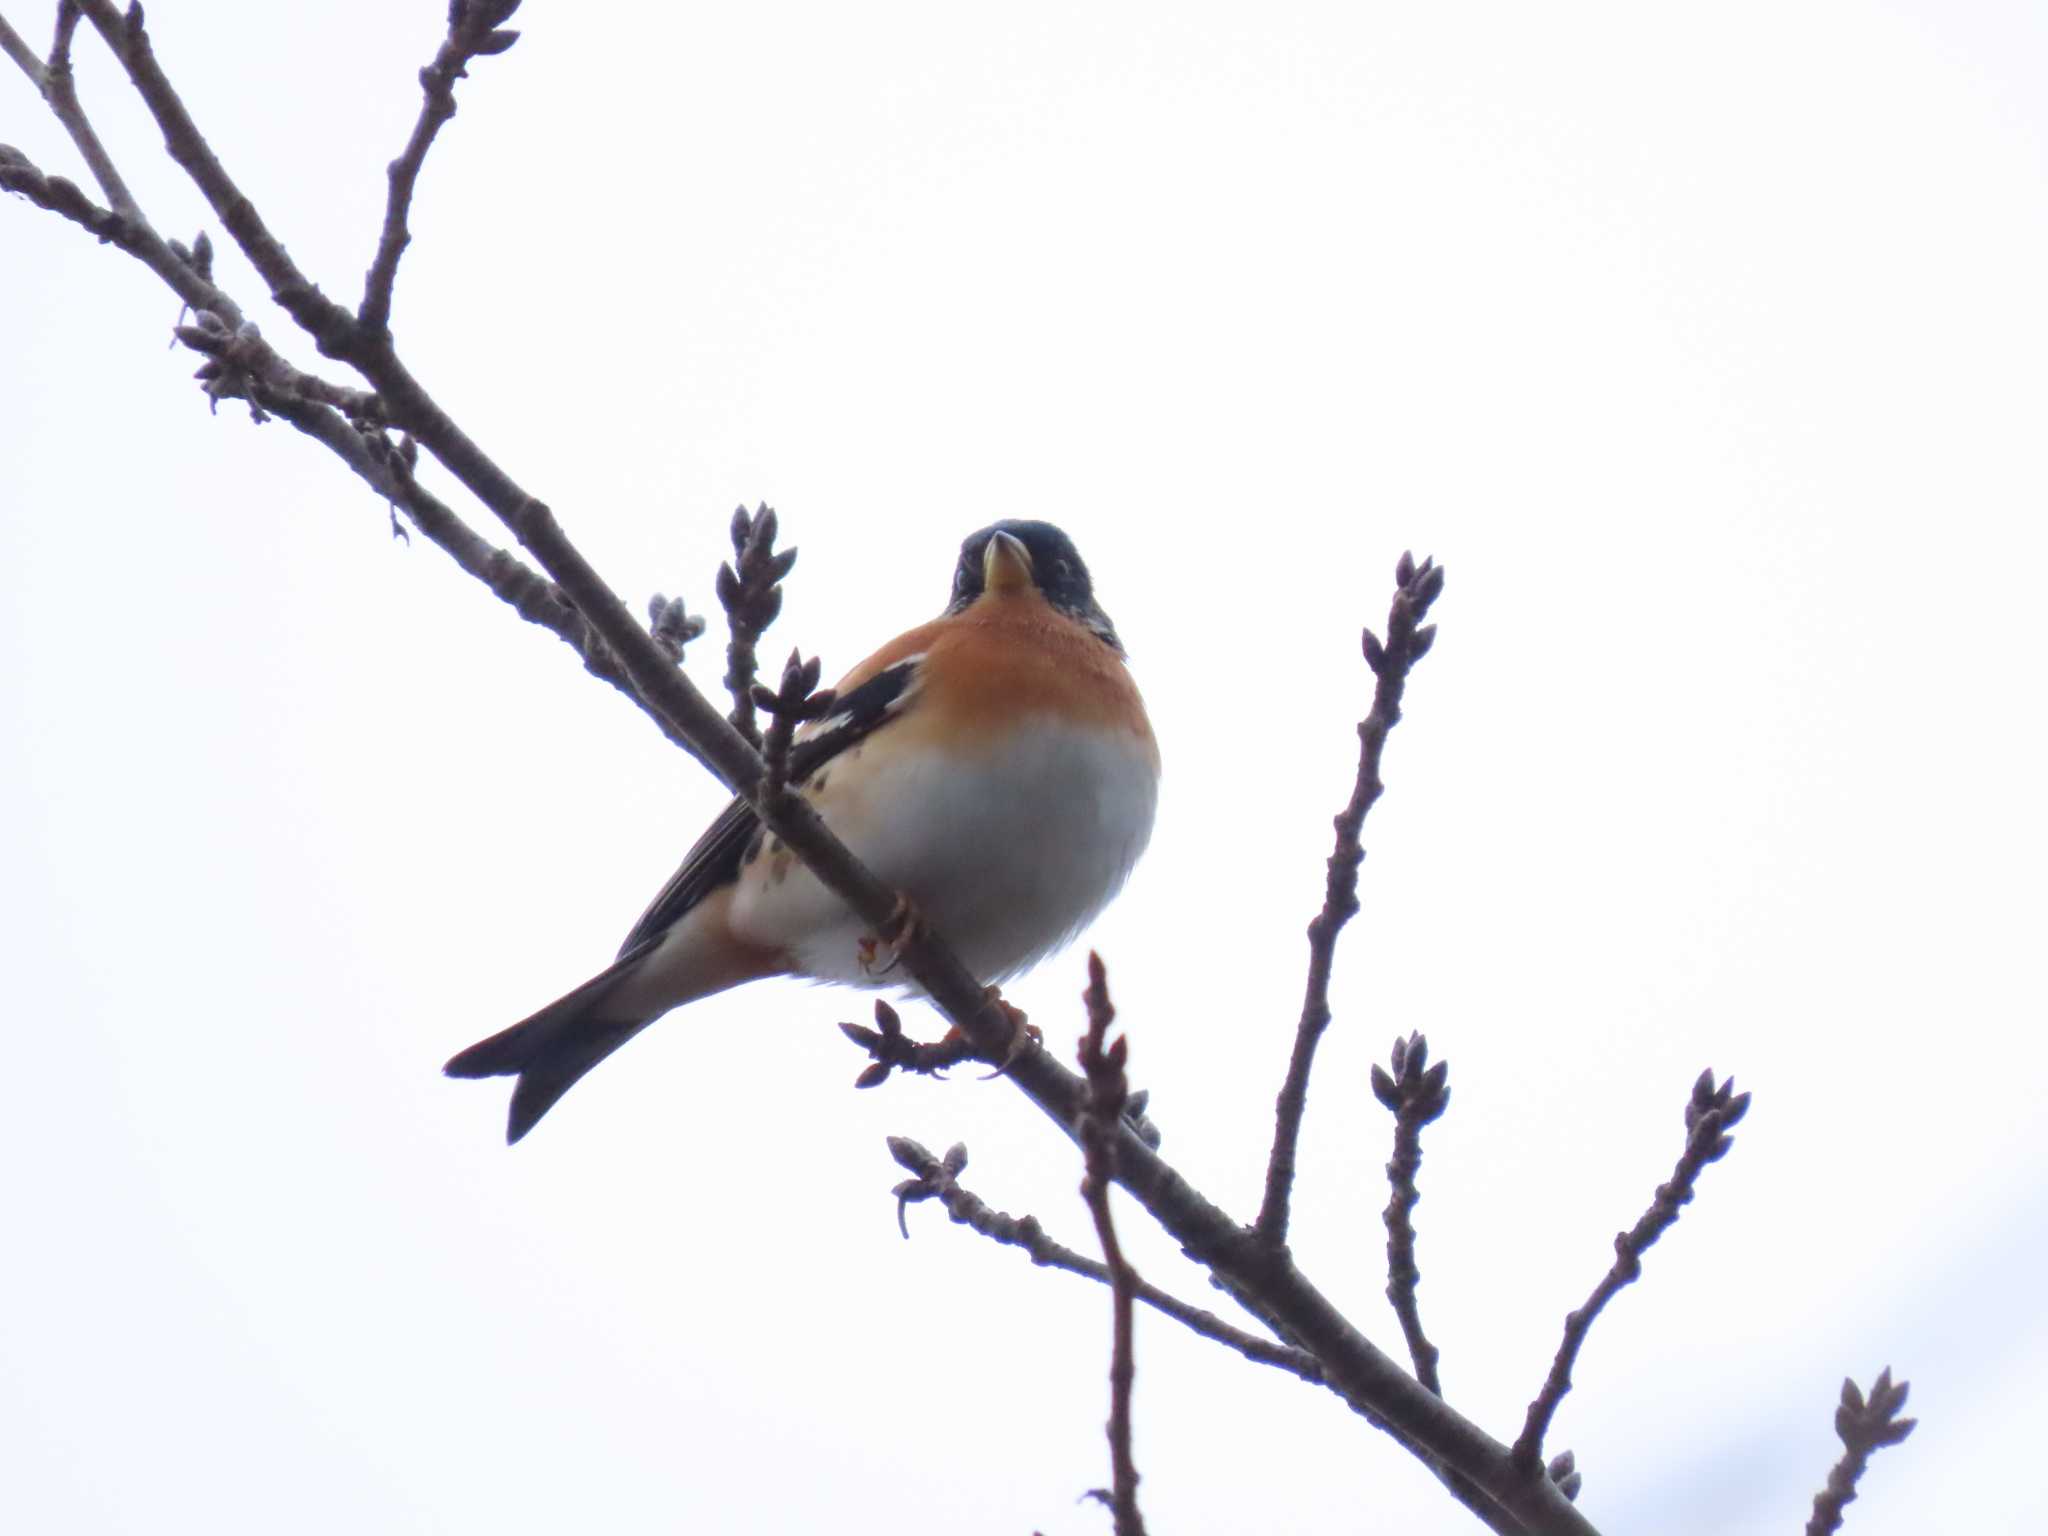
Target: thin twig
x,y
1711,1114
938,1179
327,413
185,274
16,47
126,36
1416,588
750,591
798,701
529,594
1102,1062
59,90
1416,1093
62,196
892,1050
239,351
472,32
218,329
1866,1427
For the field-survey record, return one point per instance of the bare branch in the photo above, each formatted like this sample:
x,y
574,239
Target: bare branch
x,y
16,47
59,91
218,330
1866,1427
243,366
937,1179
62,196
240,352
1711,1114
750,591
386,470
184,272
1416,587
472,32
797,701
128,39
1101,1117
1416,1093
892,1049
333,329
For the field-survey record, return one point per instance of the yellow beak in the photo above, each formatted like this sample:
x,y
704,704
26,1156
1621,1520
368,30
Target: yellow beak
x,y
1005,566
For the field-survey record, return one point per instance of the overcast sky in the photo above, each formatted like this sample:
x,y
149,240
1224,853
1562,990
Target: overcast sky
x,y
1704,346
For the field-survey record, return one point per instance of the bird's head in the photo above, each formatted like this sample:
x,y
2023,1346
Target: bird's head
x,y
1020,558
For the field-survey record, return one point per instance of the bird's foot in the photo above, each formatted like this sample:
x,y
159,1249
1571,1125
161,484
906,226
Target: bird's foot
x,y
1023,1033
882,953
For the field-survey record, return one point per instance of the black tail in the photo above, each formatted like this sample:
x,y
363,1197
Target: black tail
x,y
551,1051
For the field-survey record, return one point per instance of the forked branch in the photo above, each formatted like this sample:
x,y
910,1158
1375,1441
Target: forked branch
x,y
936,1178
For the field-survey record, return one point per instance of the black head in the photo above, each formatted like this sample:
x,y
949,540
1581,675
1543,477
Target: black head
x,y
1056,570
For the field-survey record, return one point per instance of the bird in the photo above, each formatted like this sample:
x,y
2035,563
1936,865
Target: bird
x,y
995,766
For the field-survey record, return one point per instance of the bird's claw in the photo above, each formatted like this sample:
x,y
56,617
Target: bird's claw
x,y
1023,1033
904,924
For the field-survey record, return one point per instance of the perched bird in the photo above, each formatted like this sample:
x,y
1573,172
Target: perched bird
x,y
995,766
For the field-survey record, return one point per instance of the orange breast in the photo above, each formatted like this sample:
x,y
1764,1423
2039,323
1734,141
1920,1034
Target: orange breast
x,y
1009,656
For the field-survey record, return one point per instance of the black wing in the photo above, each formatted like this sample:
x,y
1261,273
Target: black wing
x,y
716,858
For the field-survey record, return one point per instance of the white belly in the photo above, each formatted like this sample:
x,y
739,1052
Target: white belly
x,y
1008,857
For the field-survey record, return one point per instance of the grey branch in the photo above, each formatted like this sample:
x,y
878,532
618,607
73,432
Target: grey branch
x,y
1408,641
1416,1093
1102,1061
937,1179
750,591
473,31
1711,1114
54,80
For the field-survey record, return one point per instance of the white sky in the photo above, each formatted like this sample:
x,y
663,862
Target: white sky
x,y
1705,346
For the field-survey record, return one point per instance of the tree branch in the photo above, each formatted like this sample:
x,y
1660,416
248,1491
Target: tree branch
x,y
16,47
129,42
472,32
1710,1115
529,594
330,414
937,1179
1416,1096
750,591
1101,1118
59,91
1416,588
1866,1427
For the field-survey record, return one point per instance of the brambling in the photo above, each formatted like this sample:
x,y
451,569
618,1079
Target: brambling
x,y
995,766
